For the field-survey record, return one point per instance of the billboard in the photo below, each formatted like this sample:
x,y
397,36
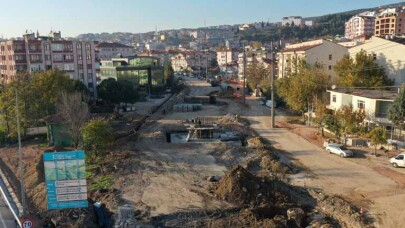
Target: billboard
x,y
65,178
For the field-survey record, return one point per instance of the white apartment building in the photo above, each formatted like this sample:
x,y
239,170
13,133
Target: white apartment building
x,y
292,20
107,51
360,25
324,52
388,53
226,56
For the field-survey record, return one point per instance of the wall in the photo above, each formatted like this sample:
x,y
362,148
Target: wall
x,y
388,54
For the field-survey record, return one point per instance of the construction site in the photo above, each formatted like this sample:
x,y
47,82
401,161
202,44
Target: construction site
x,y
207,159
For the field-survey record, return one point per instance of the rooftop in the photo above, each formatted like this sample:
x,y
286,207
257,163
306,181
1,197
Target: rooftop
x,y
302,48
112,45
373,94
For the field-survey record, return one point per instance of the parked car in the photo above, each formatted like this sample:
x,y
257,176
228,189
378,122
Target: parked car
x,y
340,150
268,104
398,161
262,101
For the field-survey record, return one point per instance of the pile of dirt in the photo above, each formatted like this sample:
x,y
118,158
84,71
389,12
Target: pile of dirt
x,y
241,187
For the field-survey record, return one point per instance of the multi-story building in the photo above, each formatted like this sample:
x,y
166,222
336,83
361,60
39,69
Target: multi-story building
x,y
390,22
145,72
259,56
163,56
107,51
192,60
388,53
291,21
37,53
359,25
324,52
226,56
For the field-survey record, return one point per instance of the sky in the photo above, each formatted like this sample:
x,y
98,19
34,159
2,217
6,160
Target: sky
x,y
74,17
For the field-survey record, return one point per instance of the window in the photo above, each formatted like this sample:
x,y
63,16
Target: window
x,y
360,104
90,75
400,157
79,46
80,66
87,47
88,56
334,98
47,57
330,57
57,47
330,67
57,57
47,47
90,85
374,56
80,57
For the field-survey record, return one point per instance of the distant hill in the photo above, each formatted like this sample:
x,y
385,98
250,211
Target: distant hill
x,y
357,11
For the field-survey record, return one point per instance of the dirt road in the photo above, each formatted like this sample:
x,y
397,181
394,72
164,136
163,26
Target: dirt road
x,y
358,183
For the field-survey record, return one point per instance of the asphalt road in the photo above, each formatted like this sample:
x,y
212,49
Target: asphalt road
x,y
335,175
6,217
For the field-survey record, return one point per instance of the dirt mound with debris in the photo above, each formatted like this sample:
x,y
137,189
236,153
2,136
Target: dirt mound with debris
x,y
241,187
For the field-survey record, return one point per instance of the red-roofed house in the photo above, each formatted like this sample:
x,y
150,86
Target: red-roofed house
x,y
324,52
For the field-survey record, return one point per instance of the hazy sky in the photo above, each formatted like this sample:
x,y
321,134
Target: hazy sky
x,y
73,17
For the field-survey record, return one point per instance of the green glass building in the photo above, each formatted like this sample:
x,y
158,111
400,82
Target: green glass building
x,y
145,72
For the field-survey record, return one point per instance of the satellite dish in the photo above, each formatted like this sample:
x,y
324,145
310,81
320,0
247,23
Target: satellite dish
x,y
333,86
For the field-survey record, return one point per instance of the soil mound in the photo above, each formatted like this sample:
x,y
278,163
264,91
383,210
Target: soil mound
x,y
241,187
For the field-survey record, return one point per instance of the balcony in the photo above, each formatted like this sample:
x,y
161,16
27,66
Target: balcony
x,y
19,50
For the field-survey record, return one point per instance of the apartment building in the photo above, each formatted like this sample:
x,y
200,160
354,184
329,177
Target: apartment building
x,y
37,53
359,26
388,53
324,52
291,21
107,51
226,56
390,22
192,60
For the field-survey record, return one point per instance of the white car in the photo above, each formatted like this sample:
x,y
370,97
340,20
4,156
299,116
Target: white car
x,y
268,104
398,161
339,150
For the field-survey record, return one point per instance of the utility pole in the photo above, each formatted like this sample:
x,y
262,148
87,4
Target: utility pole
x,y
273,62
244,74
206,67
21,156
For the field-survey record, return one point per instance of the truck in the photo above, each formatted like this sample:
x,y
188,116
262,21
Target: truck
x,y
398,161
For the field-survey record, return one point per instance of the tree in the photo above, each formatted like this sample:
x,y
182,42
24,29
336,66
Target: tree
x,y
37,95
378,136
303,87
350,119
115,92
97,136
362,71
320,113
333,125
256,73
396,112
169,74
73,109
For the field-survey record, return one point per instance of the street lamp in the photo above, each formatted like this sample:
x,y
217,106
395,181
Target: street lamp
x,y
20,156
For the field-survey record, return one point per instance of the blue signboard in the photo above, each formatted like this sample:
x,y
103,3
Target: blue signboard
x,y
65,177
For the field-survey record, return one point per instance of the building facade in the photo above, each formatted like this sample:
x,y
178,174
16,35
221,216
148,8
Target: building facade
x,y
324,52
375,103
35,53
107,51
192,60
359,25
390,22
388,53
226,56
291,21
145,72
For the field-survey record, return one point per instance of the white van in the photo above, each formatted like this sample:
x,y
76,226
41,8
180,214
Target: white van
x,y
398,161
